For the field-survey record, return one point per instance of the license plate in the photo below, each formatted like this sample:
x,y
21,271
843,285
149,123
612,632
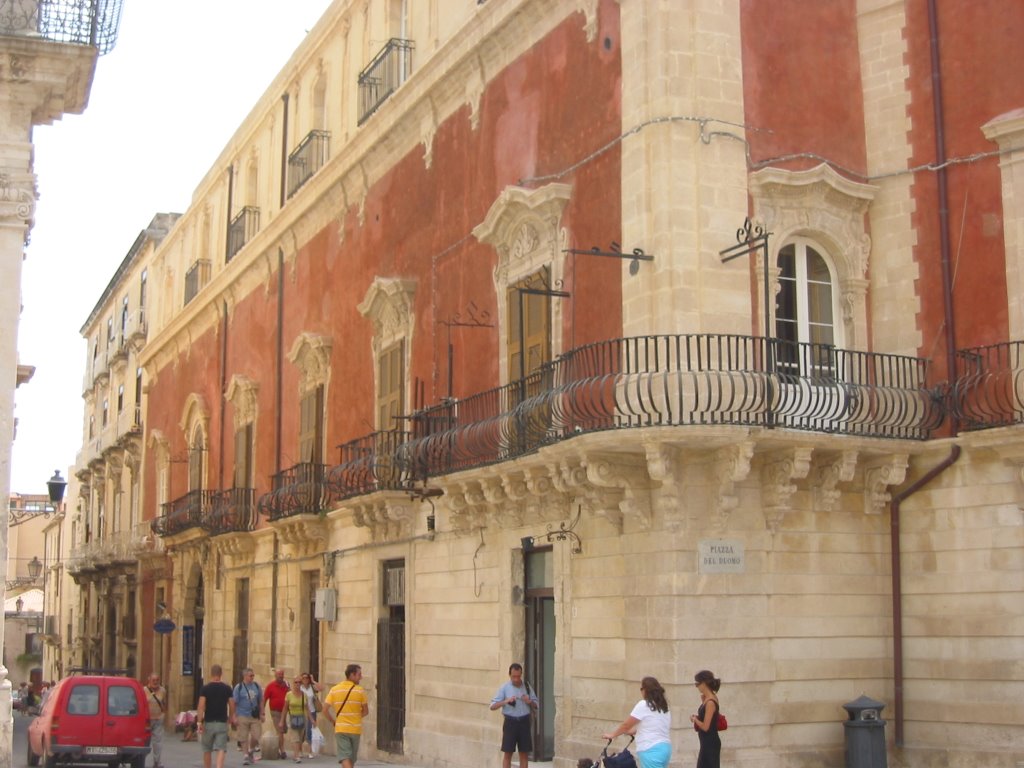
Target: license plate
x,y
101,750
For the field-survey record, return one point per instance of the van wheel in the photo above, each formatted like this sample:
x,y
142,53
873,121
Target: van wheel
x,y
139,762
50,761
33,758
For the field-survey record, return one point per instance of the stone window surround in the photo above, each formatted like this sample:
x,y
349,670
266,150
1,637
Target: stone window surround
x,y
388,304
829,209
195,418
524,226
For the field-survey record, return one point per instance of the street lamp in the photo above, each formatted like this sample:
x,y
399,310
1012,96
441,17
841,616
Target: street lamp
x,y
35,568
56,485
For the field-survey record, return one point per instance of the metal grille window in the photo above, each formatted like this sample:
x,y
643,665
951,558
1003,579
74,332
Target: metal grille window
x,y
382,76
309,157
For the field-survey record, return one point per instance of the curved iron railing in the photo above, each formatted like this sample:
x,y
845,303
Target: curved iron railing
x,y
376,462
84,22
185,512
989,389
678,380
231,511
299,490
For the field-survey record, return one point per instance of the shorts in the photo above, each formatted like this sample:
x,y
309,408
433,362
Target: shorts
x,y
215,737
516,731
275,715
246,726
347,745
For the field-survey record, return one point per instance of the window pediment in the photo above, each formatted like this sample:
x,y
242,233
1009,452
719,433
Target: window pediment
x,y
311,352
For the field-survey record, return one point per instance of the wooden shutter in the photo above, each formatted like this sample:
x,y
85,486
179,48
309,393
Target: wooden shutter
x,y
391,386
243,457
311,424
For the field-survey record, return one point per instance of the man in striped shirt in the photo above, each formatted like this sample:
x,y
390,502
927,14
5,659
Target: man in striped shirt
x,y
346,706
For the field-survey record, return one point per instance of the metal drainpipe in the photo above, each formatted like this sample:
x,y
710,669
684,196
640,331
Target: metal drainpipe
x,y
938,115
278,395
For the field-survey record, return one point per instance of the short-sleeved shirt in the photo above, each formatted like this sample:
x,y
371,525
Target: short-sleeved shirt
x,y
654,726
350,718
217,695
508,691
275,694
157,700
248,699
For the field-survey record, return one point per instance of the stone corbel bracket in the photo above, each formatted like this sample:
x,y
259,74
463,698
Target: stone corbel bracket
x,y
302,536
468,512
880,476
828,473
663,468
732,465
616,478
238,547
387,518
777,482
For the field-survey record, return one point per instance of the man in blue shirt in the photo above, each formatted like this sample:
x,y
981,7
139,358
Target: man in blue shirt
x,y
516,702
249,709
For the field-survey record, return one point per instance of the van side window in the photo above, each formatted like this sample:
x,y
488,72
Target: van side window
x,y
121,701
84,700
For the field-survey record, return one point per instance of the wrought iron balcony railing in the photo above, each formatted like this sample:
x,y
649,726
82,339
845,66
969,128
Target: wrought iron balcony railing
x,y
309,157
674,381
232,511
183,513
243,228
84,22
989,389
382,76
372,463
299,490
197,276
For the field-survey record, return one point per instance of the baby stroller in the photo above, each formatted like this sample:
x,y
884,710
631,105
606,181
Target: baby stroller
x,y
623,759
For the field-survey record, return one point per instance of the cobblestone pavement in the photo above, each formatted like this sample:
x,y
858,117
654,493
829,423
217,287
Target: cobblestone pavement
x,y
187,754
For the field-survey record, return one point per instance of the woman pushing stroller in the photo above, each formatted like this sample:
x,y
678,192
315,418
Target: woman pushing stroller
x,y
651,722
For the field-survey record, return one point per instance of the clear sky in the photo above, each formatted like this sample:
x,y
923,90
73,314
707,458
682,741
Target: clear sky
x,y
164,102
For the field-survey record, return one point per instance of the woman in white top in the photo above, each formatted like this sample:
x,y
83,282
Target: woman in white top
x,y
651,721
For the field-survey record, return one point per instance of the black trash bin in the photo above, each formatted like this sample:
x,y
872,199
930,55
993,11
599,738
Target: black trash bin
x,y
865,734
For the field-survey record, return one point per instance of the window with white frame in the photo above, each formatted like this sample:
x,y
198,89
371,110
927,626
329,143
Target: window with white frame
x,y
805,309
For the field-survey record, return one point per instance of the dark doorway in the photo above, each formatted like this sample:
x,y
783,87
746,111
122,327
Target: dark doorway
x,y
540,647
391,660
312,582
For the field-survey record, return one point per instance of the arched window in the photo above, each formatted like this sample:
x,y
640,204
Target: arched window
x,y
806,309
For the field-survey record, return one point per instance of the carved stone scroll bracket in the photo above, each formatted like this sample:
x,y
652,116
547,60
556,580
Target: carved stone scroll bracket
x,y
428,129
301,536
880,476
777,482
827,476
239,547
732,465
663,467
621,476
571,477
386,518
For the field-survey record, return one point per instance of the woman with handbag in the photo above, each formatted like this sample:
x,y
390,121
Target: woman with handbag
x,y
295,716
705,722
652,723
310,689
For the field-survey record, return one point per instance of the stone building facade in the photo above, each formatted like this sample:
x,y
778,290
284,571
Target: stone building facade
x,y
620,338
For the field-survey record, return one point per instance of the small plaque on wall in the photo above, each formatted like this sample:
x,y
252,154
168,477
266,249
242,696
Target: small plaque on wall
x,y
720,556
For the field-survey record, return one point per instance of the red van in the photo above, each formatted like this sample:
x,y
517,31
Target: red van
x,y
91,718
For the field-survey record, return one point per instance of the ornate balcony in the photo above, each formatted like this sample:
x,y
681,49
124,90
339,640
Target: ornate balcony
x,y
232,511
84,22
989,389
372,463
243,228
679,380
382,76
309,157
300,490
183,513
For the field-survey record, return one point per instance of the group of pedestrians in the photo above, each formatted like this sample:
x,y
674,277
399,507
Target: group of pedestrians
x,y
650,721
293,710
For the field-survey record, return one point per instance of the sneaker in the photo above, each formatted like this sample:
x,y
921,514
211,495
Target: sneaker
x,y
245,760
297,760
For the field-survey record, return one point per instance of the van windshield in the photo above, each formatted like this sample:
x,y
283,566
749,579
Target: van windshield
x,y
121,701
84,700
